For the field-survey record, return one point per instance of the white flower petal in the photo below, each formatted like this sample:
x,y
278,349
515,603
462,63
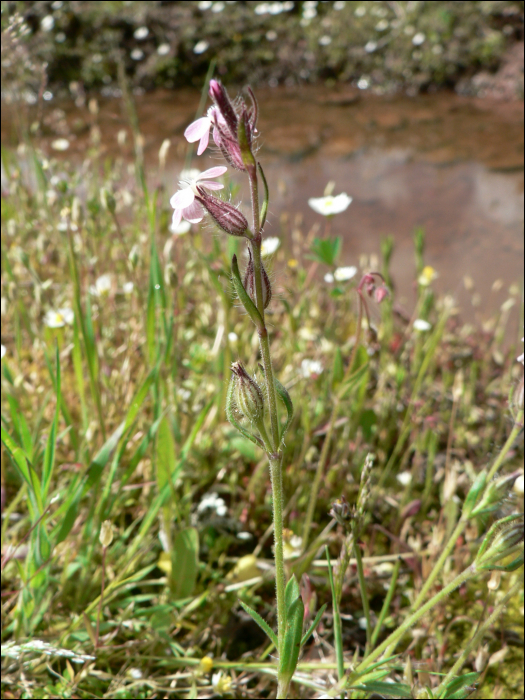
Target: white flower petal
x,y
182,199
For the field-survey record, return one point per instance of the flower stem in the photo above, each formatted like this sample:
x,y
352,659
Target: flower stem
x,y
275,456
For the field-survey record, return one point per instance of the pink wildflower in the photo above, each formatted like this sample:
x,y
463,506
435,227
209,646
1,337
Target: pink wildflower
x,y
199,130
184,202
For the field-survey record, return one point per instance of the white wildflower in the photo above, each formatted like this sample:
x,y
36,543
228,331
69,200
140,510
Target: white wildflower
x,y
141,33
270,245
102,286
213,502
404,478
311,368
328,206
421,325
59,318
201,47
60,145
343,274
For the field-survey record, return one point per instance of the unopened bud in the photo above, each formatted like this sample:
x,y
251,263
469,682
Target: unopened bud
x,y
226,216
249,282
221,98
380,293
133,257
248,395
106,533
504,543
341,512
170,275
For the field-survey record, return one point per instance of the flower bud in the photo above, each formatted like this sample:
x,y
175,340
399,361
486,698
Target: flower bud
x,y
229,148
106,533
342,512
226,216
249,282
221,98
495,548
248,395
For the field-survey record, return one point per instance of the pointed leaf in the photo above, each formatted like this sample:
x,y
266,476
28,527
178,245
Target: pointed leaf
x,y
314,624
243,295
291,593
184,563
292,639
262,624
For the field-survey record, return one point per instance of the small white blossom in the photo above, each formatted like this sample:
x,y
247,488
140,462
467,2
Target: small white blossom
x,y
370,46
163,49
60,145
325,40
127,287
47,23
421,325
329,278
270,245
135,673
221,683
141,33
311,368
233,337
184,394
204,5
102,286
59,318
213,502
343,274
404,478
201,47
328,206
137,54
217,7
418,39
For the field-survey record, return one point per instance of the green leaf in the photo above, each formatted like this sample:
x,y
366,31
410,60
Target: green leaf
x,y
391,690
460,687
313,626
352,381
49,455
264,208
337,369
243,295
292,639
89,479
25,470
291,593
326,250
184,563
262,624
166,459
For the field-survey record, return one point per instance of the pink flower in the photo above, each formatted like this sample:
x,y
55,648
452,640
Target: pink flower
x,y
183,201
199,130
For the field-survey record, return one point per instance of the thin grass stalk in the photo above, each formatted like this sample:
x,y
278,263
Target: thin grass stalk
x,y
462,524
362,588
386,604
478,636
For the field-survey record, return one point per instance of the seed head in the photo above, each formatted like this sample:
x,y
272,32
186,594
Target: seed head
x,y
248,395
